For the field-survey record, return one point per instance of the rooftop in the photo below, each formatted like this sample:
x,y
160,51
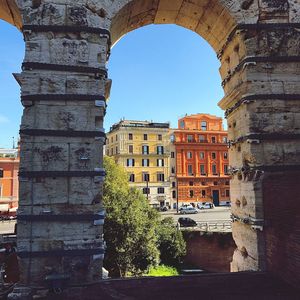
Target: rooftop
x,y
139,124
200,115
8,152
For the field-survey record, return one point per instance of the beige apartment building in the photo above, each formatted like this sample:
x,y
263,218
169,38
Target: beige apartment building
x,y
143,149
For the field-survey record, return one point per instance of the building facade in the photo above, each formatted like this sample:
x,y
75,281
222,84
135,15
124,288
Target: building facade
x,y
9,184
173,179
202,160
143,149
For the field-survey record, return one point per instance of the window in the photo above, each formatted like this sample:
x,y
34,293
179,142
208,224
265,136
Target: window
x,y
213,155
181,125
201,138
117,150
145,162
225,140
226,169
227,182
202,155
112,139
160,190
190,170
225,155
160,177
172,138
130,148
130,162
145,137
145,149
203,193
146,191
227,193
130,136
107,152
173,184
160,162
112,151
213,139
203,183
131,178
191,193
145,177
202,170
174,194
214,169
189,155
172,154
191,183
160,150
116,138
173,170
203,125
159,137
190,138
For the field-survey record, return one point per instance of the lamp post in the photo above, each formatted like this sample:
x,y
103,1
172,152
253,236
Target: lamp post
x,y
177,196
147,187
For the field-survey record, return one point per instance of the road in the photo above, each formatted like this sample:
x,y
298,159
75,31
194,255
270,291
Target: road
x,y
217,213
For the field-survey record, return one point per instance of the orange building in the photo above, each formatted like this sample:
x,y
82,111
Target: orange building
x,y
9,184
202,160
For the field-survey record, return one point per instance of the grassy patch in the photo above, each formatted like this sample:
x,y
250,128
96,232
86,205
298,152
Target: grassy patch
x,y
162,270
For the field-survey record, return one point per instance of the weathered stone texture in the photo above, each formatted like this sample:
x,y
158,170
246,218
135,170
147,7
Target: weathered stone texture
x,y
258,45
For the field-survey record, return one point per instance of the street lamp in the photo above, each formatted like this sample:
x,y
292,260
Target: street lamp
x,y
177,196
147,187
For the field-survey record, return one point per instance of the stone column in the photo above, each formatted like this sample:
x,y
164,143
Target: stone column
x,y
63,85
260,69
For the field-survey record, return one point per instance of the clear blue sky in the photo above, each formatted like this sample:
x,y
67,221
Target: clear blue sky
x,y
159,73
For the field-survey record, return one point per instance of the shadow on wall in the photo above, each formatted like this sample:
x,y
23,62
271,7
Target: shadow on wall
x,y
209,251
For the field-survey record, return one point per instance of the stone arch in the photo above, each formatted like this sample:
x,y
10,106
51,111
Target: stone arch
x,y
209,19
9,12
218,22
253,40
64,85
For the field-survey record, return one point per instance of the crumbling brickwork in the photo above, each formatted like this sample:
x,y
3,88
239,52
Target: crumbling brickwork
x,y
64,84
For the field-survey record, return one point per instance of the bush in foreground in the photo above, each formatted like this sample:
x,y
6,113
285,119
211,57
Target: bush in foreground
x,y
162,270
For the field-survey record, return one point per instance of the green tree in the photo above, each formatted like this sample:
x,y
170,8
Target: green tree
x,y
171,243
130,225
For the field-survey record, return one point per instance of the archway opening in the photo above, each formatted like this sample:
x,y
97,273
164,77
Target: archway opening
x,y
195,18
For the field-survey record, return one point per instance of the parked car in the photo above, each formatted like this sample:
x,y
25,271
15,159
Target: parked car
x,y
188,210
186,206
205,205
186,222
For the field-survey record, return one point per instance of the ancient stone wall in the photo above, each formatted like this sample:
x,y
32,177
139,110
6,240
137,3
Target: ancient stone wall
x,y
282,217
64,84
211,251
